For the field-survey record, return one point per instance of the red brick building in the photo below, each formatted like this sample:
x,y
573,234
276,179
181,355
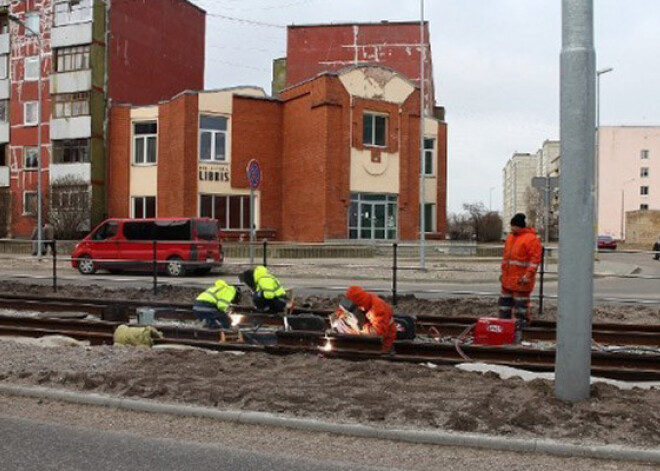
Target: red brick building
x,y
95,52
339,153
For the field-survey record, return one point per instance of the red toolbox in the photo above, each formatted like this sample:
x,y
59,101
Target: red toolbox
x,y
494,331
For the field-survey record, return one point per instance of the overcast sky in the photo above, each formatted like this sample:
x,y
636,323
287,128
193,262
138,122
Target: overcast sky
x,y
496,66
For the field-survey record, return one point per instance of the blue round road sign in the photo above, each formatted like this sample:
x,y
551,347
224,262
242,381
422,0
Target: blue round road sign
x,y
254,174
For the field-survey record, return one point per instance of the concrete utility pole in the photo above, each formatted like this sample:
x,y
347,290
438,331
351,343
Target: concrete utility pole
x,y
576,228
422,157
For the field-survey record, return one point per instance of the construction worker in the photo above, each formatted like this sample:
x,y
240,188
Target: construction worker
x,y
379,319
268,293
522,256
211,306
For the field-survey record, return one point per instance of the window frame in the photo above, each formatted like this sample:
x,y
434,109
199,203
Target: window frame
x,y
30,149
144,138
644,154
144,215
59,13
4,111
35,104
26,193
214,136
433,222
72,101
431,151
34,60
644,172
74,145
643,207
4,59
28,17
225,225
644,190
61,54
374,115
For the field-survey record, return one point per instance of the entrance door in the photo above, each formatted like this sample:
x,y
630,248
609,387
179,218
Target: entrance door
x,y
366,218
372,216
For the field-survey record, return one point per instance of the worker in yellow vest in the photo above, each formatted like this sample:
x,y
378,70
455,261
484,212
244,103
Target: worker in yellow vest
x,y
211,306
268,293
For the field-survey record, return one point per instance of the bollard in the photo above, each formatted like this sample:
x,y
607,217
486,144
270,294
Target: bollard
x,y
541,277
394,268
53,248
265,249
155,266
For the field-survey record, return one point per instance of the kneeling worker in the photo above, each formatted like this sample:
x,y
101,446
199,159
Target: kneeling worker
x,y
379,317
211,306
268,293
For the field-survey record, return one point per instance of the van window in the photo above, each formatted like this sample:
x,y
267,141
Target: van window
x,y
158,230
206,230
107,230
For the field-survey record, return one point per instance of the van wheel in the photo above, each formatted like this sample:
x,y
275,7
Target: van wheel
x,y
175,267
86,265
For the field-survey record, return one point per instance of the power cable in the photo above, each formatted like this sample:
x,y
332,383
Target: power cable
x,y
245,21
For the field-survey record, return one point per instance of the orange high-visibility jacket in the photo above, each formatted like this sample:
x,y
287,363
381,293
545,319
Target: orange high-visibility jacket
x,y
522,256
380,318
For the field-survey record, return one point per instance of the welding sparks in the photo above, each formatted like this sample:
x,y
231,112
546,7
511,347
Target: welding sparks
x,y
236,319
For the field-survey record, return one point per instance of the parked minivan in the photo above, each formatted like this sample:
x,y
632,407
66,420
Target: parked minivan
x,y
183,245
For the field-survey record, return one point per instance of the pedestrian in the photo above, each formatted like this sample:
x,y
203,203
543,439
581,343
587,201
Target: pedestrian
x,y
379,318
522,256
268,294
49,238
211,305
656,249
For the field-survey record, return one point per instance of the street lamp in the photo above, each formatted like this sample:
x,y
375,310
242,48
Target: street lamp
x,y
597,160
36,34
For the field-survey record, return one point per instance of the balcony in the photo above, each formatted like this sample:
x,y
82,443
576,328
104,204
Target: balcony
x,y
4,43
79,127
71,82
71,35
4,177
81,172
4,132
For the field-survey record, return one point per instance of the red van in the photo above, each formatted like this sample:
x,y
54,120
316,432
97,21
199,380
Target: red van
x,y
183,245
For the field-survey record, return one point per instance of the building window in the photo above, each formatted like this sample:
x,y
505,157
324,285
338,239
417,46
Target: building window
x,y
374,130
29,203
32,21
68,105
372,216
145,143
32,68
4,111
212,139
144,207
232,212
644,172
429,217
68,12
429,156
71,151
68,59
31,113
4,24
644,154
30,158
644,190
643,207
3,66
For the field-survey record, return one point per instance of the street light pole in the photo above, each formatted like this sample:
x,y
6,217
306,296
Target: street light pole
x,y
597,161
37,35
422,159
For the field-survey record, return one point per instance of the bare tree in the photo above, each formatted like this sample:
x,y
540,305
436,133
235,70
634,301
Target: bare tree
x,y
459,227
70,206
486,226
536,212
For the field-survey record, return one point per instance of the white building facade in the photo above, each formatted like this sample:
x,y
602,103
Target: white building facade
x,y
517,179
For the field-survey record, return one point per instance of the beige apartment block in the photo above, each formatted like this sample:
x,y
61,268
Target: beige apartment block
x,y
629,176
517,178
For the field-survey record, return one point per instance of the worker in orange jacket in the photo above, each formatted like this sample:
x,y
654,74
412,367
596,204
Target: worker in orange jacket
x,y
522,256
379,316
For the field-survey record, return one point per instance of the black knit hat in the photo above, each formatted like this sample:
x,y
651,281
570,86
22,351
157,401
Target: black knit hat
x,y
518,220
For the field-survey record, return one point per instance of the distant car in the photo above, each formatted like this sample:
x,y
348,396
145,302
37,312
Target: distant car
x,y
606,242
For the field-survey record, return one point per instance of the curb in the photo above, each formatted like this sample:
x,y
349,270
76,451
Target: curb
x,y
609,452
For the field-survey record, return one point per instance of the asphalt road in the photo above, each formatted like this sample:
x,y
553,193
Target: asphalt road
x,y
31,445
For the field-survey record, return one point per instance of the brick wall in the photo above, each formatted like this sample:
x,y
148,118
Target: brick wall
x,y
257,134
409,169
177,157
441,161
119,162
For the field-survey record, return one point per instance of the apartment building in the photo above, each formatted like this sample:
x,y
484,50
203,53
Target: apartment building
x,y
94,54
340,156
